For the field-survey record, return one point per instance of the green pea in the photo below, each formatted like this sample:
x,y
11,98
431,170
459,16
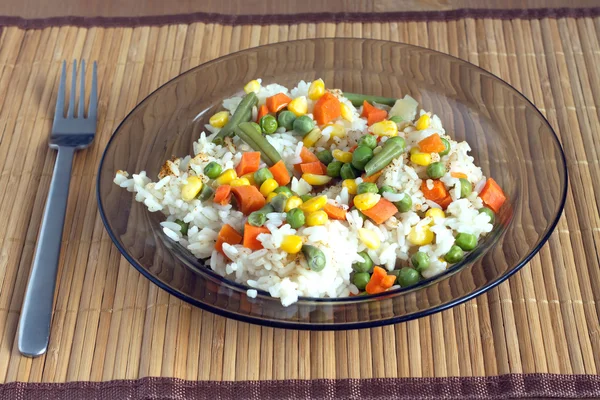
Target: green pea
x,y
213,170
184,226
386,189
408,277
348,171
303,124
262,175
268,123
205,193
368,140
295,217
278,202
361,156
436,170
284,190
286,119
366,187
360,280
405,204
306,197
489,212
446,149
325,156
334,169
366,265
257,218
397,119
454,255
465,187
420,261
256,127
466,241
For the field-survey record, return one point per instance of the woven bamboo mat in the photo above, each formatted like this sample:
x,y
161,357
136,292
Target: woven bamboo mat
x,y
111,323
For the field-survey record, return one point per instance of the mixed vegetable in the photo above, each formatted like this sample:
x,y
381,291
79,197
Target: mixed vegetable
x,y
257,191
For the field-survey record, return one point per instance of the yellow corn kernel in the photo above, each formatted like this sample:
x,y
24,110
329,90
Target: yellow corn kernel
x,y
291,244
316,218
316,89
191,189
268,186
220,119
435,213
293,202
346,112
299,106
334,130
384,128
422,122
252,86
369,238
414,150
314,204
250,177
420,236
365,201
351,185
419,158
271,196
312,137
343,156
316,180
239,182
226,177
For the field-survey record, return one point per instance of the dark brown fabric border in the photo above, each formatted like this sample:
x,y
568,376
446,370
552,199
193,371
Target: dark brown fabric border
x,y
280,19
527,386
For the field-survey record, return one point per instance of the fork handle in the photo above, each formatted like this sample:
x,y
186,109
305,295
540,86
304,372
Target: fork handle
x,y
34,325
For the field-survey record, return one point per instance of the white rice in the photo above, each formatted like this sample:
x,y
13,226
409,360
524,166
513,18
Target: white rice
x,y
286,276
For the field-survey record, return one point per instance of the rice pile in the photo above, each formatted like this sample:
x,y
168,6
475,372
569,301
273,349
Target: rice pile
x,y
286,276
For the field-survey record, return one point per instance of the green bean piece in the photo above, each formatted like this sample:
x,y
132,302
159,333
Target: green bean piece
x,y
465,187
360,280
489,212
420,261
267,208
397,119
348,171
278,202
213,169
325,156
306,197
334,169
366,187
405,204
303,125
447,148
436,170
205,193
184,226
386,189
295,217
408,277
286,119
392,148
366,265
249,134
256,127
466,241
262,175
361,156
454,255
314,257
257,218
368,140
284,190
242,113
268,124
357,99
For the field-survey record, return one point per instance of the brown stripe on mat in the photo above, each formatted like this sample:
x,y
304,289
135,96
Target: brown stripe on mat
x,y
496,387
273,19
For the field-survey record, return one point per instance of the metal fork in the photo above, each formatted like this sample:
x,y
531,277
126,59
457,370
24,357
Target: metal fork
x,y
69,134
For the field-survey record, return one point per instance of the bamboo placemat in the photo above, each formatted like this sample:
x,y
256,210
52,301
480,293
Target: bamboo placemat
x,y
111,323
